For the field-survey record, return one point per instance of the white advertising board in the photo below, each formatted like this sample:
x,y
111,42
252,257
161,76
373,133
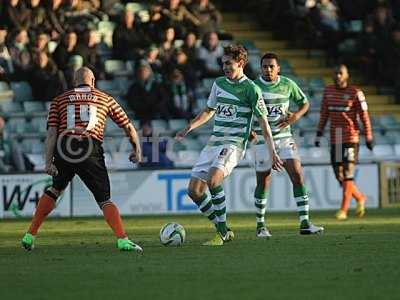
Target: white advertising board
x,y
20,195
163,192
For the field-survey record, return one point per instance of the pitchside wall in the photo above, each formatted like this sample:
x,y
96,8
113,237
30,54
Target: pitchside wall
x,y
164,192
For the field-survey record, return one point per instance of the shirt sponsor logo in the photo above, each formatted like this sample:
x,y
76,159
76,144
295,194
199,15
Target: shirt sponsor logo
x,y
226,112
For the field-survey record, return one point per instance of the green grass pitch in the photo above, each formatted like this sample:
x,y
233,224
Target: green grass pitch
x,y
77,259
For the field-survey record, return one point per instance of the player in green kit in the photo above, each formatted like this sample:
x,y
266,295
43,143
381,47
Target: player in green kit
x,y
277,92
233,101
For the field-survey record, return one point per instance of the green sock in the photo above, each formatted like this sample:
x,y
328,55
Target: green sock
x,y
260,202
206,208
301,197
218,201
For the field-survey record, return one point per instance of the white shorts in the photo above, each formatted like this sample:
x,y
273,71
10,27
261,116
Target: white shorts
x,y
224,157
285,147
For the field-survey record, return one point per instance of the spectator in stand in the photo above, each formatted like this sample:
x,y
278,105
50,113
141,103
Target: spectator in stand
x,y
210,54
146,96
383,23
6,65
88,50
11,156
129,40
329,14
392,62
65,49
178,16
46,80
369,52
55,19
20,54
78,14
180,98
181,63
75,62
37,17
189,47
156,22
41,43
208,15
152,144
167,46
17,15
152,59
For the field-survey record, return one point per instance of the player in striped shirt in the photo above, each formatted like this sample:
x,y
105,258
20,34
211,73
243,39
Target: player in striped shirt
x,y
233,100
343,104
75,129
278,91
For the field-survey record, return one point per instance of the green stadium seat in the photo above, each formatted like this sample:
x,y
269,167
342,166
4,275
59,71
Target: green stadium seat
x,y
192,144
22,91
177,124
16,125
108,86
159,126
207,84
123,83
11,107
52,45
39,124
389,122
112,128
136,7
33,146
116,67
33,106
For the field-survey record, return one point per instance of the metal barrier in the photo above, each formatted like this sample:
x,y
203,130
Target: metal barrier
x,y
389,184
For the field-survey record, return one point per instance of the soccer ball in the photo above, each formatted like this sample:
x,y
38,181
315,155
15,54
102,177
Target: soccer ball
x,y
172,234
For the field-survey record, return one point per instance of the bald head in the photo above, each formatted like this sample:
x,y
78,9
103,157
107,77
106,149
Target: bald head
x,y
84,76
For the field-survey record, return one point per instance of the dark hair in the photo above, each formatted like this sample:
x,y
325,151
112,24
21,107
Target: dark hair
x,y
270,55
237,52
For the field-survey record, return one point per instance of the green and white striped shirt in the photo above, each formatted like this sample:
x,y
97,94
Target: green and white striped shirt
x,y
235,103
277,96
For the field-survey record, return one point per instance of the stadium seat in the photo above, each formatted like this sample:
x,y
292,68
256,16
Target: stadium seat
x,y
22,91
177,124
192,144
109,86
383,151
39,125
37,160
16,125
52,45
116,67
135,6
389,122
159,126
33,146
123,83
207,83
11,107
33,106
5,91
106,29
184,158
111,128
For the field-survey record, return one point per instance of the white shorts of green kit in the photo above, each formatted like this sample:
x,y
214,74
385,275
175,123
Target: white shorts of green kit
x,y
285,147
224,157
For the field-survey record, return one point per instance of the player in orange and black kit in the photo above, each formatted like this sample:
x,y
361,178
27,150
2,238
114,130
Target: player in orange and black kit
x,y
75,128
344,104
